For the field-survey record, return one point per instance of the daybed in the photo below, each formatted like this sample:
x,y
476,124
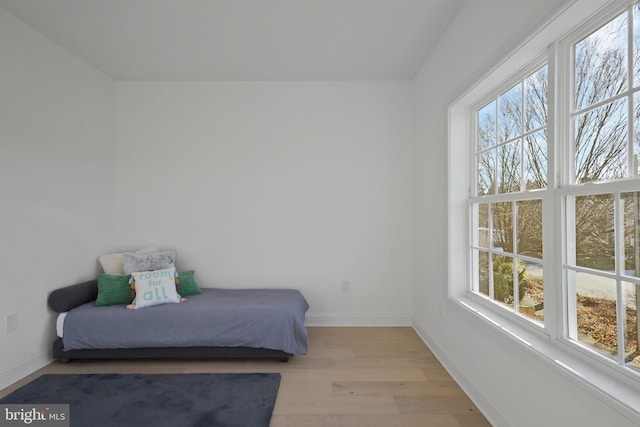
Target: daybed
x,y
218,323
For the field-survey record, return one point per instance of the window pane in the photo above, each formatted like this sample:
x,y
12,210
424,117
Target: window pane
x,y
483,225
631,353
487,126
510,114
596,313
594,222
535,163
486,172
530,228
510,166
600,64
502,235
631,233
636,134
636,44
503,279
601,143
532,291
483,273
536,99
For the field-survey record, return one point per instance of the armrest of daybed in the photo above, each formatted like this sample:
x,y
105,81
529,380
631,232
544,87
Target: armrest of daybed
x,y
64,299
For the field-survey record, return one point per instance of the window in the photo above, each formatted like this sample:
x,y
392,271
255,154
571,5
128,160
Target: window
x,y
510,144
553,202
602,262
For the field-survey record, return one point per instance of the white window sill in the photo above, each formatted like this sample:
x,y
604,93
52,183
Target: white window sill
x,y
616,390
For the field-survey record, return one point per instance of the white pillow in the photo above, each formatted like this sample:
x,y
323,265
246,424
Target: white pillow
x,y
155,287
113,263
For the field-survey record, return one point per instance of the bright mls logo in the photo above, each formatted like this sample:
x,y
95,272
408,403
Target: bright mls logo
x,y
34,415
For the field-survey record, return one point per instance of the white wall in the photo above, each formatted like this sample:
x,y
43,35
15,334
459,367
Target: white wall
x,y
56,185
269,184
511,387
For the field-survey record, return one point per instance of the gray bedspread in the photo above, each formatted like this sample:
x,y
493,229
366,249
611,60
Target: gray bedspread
x,y
259,318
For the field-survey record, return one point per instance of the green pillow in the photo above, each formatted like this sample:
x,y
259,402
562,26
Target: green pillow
x,y
113,290
187,284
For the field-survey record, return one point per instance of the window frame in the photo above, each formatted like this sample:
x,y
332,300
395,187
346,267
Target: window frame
x,y
523,195
569,187
606,380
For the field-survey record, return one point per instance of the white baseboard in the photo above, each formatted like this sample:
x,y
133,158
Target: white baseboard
x,y
24,368
319,319
478,399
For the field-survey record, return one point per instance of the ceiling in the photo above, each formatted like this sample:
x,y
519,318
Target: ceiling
x,y
204,40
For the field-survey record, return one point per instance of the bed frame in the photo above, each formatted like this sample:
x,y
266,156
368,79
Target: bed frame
x,y
64,299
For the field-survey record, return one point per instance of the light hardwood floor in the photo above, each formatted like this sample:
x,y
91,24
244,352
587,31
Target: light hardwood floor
x,y
369,377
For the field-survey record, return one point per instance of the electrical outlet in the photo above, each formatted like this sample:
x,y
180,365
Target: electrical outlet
x,y
12,322
345,287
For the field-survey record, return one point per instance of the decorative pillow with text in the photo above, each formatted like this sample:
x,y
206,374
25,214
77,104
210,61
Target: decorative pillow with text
x,y
154,287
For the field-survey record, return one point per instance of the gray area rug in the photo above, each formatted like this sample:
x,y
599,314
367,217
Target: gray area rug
x,y
171,400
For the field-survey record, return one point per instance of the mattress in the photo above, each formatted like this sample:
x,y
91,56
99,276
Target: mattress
x,y
258,318
60,324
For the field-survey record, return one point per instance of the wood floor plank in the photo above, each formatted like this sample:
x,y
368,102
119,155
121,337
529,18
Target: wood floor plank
x,y
305,421
361,405
402,420
382,362
377,374
396,389
471,420
296,384
435,405
352,377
